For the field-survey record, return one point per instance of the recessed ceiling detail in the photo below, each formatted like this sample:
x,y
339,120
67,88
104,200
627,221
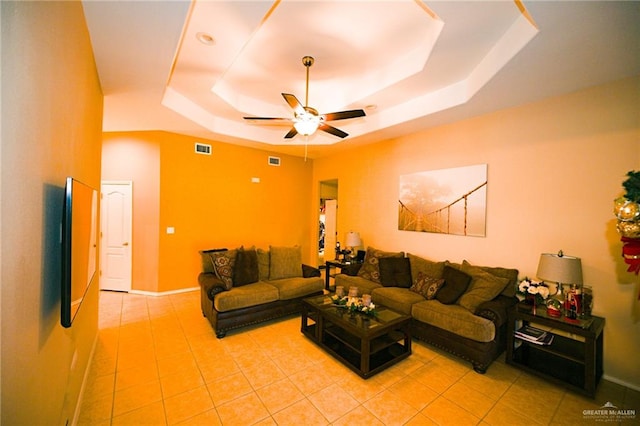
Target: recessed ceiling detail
x,y
408,58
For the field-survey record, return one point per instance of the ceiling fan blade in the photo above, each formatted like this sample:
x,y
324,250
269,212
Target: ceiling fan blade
x,y
343,115
291,133
294,103
267,119
330,129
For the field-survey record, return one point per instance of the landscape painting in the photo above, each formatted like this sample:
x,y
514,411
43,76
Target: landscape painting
x,y
447,201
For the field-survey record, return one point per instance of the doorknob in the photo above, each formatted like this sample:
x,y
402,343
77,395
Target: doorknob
x,y
125,244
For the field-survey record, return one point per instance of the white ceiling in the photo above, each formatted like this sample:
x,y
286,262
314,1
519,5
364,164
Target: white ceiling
x,y
408,64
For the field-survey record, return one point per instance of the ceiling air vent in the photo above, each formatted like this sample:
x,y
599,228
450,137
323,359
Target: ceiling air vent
x,y
202,148
274,161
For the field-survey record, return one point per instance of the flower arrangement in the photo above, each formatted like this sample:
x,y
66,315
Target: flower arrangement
x,y
354,305
537,291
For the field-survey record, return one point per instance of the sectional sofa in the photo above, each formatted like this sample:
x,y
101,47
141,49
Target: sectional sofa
x,y
241,286
460,308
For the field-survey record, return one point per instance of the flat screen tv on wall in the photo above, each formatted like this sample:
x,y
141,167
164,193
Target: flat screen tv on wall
x,y
79,246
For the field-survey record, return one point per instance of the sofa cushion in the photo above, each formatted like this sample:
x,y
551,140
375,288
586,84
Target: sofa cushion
x,y
397,298
245,270
286,262
223,263
455,284
245,296
395,272
483,287
291,288
454,318
264,260
370,269
364,286
426,266
426,286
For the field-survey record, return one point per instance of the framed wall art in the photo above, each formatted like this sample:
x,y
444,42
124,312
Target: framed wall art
x,y
447,201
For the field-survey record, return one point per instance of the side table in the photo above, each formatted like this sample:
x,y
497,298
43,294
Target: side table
x,y
574,357
349,268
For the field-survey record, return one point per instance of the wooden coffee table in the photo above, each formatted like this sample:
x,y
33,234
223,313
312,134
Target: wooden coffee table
x,y
367,345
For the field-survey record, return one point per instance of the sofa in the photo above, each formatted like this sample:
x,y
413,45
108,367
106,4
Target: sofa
x,y
239,287
460,308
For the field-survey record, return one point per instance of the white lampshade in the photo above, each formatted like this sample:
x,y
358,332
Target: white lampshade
x,y
560,269
352,239
306,124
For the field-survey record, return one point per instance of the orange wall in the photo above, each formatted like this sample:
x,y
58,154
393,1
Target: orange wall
x,y
554,168
210,201
51,129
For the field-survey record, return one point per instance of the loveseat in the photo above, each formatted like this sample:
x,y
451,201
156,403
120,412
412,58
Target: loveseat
x,y
460,308
239,287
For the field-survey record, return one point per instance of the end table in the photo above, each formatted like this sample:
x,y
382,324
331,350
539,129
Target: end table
x,y
346,267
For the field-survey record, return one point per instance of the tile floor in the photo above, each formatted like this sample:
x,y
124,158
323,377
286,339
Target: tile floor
x,y
158,362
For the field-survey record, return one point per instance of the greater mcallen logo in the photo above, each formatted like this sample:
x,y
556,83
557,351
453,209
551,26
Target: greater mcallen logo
x,y
609,413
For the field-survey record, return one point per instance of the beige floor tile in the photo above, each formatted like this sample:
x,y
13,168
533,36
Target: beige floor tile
x,y
301,413
98,386
333,402
138,359
229,388
413,392
292,363
181,362
279,395
470,399
359,389
96,409
390,409
445,412
505,415
421,420
312,379
215,367
143,373
492,384
358,416
431,376
152,414
208,418
263,374
187,404
135,397
246,410
182,381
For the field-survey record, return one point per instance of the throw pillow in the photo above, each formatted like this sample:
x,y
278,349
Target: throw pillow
x,y
395,272
207,261
264,258
370,269
426,286
427,267
286,262
246,270
455,284
508,273
483,287
223,263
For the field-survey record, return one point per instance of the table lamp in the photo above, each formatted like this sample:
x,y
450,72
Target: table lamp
x,y
352,240
561,269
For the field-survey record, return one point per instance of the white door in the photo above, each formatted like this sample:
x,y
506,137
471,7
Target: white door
x,y
115,233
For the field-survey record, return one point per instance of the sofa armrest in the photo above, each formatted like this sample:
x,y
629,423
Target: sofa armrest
x,y
211,284
310,271
496,309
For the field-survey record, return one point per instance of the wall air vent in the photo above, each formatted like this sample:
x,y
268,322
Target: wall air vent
x,y
274,161
202,148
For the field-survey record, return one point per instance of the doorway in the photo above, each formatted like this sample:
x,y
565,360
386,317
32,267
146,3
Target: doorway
x,y
115,235
327,220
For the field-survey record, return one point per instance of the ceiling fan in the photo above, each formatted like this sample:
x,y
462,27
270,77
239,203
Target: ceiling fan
x,y
306,120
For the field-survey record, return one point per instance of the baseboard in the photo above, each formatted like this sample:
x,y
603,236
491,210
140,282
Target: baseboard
x,y
164,293
621,382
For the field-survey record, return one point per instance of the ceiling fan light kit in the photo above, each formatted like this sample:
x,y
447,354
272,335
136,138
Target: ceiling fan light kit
x,y
306,119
